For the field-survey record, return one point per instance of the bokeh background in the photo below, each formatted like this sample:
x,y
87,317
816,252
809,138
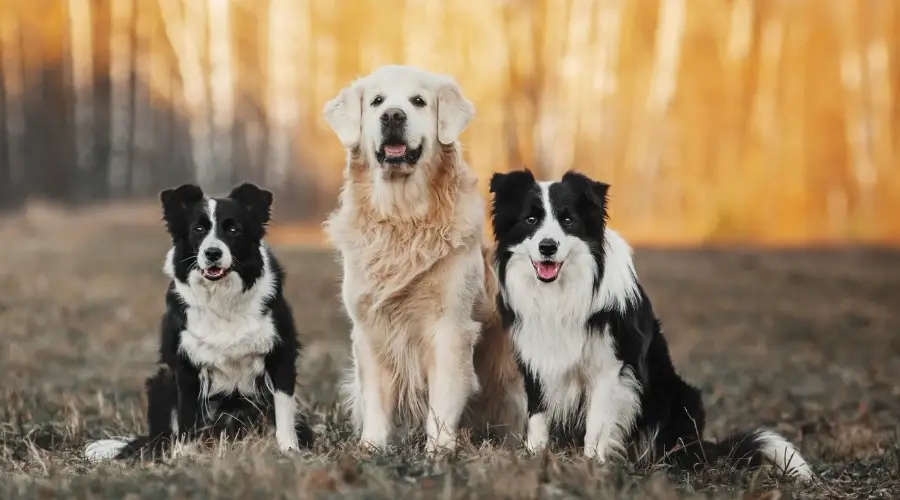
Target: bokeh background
x,y
751,121
732,124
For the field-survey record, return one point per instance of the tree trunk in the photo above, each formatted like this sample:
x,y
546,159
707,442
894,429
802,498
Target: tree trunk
x,y
121,71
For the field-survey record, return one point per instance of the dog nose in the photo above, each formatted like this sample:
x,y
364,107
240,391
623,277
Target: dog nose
x,y
393,117
547,247
213,254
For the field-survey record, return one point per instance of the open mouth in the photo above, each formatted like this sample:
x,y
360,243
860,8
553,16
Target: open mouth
x,y
214,273
547,270
395,151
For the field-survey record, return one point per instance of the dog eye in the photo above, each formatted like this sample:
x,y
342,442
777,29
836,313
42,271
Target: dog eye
x,y
531,220
567,221
377,101
417,101
199,229
234,230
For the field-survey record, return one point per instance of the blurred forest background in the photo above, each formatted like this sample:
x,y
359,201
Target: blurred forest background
x,y
765,121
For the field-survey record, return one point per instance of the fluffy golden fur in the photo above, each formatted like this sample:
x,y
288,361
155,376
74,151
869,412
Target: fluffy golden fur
x,y
418,284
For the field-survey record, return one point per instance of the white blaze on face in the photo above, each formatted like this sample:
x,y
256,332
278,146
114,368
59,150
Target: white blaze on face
x,y
549,232
212,242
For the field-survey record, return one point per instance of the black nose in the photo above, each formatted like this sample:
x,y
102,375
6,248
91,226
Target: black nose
x,y
547,247
213,254
393,117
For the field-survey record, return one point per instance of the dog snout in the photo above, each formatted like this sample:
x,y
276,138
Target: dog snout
x,y
547,247
393,117
212,254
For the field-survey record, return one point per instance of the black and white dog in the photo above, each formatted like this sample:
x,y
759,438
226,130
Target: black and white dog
x,y
592,351
228,344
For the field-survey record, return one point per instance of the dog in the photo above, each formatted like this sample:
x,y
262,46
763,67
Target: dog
x,y
589,345
427,343
228,346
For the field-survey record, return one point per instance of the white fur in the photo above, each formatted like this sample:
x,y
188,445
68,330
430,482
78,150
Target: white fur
x,y
227,333
358,123
390,347
783,455
538,433
285,413
104,449
211,240
551,338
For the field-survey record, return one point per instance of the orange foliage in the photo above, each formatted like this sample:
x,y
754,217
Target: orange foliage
x,y
766,121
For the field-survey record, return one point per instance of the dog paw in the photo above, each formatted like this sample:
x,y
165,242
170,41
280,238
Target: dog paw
x,y
104,449
444,442
287,443
597,453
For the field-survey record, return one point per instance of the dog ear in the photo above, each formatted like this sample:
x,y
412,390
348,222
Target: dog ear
x,y
454,111
499,180
257,201
344,115
175,203
595,192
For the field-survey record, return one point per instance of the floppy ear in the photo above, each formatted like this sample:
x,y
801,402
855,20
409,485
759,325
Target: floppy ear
x,y
257,201
344,115
175,203
454,111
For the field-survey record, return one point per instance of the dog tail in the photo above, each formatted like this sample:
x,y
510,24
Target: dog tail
x,y
125,448
746,450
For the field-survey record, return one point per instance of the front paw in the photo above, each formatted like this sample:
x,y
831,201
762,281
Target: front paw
x,y
287,442
597,453
444,442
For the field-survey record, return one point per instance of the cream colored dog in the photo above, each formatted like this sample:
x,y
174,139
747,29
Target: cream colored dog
x,y
417,281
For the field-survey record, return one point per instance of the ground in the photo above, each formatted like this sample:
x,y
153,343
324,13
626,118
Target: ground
x,y
805,342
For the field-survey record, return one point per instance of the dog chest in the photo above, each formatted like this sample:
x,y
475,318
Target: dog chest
x,y
230,350
565,357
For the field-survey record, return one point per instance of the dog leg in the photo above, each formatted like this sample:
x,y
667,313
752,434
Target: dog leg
x,y
614,405
451,380
374,398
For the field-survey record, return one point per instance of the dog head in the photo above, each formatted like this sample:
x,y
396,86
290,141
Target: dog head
x,y
397,115
212,237
548,229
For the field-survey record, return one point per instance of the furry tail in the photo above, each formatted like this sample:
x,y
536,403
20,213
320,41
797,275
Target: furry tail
x,y
747,450
121,449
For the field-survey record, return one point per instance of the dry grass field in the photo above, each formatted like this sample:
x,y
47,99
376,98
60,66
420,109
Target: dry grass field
x,y
804,341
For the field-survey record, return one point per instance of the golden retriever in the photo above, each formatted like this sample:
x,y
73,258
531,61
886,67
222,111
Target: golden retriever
x,y
417,281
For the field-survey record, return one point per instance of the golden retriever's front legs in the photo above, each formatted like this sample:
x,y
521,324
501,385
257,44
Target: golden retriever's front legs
x,y
451,380
374,396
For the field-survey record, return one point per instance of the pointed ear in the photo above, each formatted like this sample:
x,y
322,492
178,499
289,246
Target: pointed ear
x,y
597,193
344,115
175,203
594,191
501,181
257,201
497,181
454,111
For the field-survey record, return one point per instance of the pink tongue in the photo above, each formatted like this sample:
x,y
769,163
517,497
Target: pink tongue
x,y
395,151
547,270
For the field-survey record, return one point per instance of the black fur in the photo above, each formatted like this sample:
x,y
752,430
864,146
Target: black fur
x,y
241,220
667,403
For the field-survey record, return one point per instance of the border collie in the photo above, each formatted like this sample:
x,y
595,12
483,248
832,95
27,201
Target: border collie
x,y
228,345
591,349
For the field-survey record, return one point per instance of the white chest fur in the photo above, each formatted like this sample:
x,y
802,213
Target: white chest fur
x,y
227,333
550,334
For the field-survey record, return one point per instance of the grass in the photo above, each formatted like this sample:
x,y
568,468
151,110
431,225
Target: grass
x,y
803,342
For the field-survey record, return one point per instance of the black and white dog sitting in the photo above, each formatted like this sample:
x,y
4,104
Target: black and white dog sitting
x,y
592,351
228,344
